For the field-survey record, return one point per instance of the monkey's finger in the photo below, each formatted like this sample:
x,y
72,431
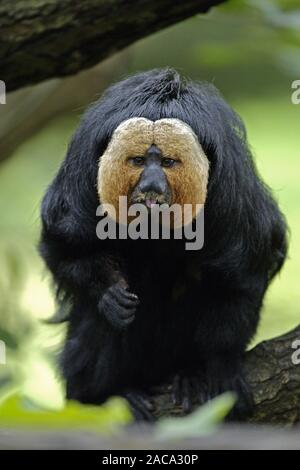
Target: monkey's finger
x,y
118,290
197,387
146,401
203,397
207,390
118,317
112,304
124,290
121,323
127,303
202,392
126,313
139,407
176,390
187,395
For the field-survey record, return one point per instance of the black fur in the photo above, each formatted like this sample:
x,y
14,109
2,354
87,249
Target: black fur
x,y
202,330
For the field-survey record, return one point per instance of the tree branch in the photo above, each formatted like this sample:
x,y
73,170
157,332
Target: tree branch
x,y
40,39
273,377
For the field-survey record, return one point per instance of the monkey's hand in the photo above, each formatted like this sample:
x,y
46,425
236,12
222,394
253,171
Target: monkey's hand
x,y
184,389
118,305
203,387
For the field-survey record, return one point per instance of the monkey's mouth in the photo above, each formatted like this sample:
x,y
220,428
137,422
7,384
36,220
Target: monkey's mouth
x,y
150,203
151,200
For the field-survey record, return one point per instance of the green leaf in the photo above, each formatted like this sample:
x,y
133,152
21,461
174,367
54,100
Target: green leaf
x,y
17,412
202,421
9,339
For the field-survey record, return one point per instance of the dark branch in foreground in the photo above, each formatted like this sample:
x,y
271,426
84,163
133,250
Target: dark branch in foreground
x,y
50,38
274,378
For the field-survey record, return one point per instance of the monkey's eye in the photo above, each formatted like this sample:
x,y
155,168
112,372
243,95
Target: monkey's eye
x,y
138,161
168,162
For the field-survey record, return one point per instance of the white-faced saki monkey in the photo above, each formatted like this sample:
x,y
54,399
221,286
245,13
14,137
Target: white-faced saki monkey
x,y
144,311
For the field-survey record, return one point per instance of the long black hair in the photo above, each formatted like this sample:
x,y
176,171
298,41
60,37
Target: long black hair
x,y
242,220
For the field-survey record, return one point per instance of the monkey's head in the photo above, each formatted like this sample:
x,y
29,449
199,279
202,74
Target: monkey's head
x,y
150,137
156,137
153,162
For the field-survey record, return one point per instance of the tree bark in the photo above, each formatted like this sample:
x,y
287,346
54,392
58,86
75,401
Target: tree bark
x,y
273,377
40,39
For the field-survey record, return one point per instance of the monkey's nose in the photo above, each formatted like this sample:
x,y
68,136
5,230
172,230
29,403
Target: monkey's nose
x,y
154,181
154,186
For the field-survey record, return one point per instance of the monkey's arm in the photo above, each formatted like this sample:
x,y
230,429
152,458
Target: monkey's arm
x,y
80,263
90,274
75,264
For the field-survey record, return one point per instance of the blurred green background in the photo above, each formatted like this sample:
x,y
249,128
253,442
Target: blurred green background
x,y
251,51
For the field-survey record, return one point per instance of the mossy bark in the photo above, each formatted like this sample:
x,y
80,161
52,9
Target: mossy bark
x,y
41,39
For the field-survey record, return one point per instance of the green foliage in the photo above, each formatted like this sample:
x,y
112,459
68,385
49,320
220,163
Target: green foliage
x,y
202,421
240,45
17,411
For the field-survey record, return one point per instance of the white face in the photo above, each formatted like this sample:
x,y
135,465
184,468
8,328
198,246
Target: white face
x,y
176,140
